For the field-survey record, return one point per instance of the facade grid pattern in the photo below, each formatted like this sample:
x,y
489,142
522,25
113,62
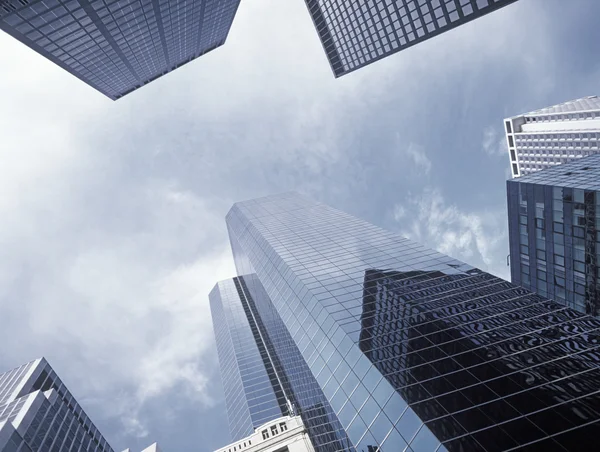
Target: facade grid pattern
x,y
554,135
250,394
414,350
355,34
117,46
554,219
41,415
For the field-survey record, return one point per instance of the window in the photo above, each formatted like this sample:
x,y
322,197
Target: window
x,y
274,430
578,232
283,426
265,434
508,127
579,266
559,260
511,142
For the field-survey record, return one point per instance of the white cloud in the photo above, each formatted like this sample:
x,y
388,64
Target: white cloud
x,y
476,237
112,228
494,143
418,156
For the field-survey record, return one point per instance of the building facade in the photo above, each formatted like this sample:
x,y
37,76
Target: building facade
x,y
355,34
554,135
410,349
285,434
117,46
39,414
554,233
152,448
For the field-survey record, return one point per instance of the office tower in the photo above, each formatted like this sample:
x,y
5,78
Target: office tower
x,y
355,34
117,46
39,414
554,135
411,349
254,346
286,434
554,233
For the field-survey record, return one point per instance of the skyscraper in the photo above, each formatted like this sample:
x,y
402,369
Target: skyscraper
x,y
554,233
410,349
39,414
554,135
117,46
355,34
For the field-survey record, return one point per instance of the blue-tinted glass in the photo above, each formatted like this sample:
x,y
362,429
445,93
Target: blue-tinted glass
x,y
439,352
566,255
116,46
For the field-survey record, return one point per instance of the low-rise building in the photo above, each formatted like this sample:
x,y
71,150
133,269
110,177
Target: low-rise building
x,y
285,434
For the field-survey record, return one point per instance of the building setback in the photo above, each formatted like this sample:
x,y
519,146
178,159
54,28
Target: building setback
x,y
39,414
554,224
355,34
554,135
117,46
379,343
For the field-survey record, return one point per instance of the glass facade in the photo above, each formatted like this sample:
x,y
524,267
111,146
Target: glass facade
x,y
554,219
253,395
553,135
412,350
39,414
117,46
355,34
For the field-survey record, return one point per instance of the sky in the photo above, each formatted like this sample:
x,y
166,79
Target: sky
x,y
113,231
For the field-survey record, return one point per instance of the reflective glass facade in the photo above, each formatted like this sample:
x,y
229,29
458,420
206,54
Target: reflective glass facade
x,y
117,46
554,135
554,219
39,414
358,33
412,350
253,395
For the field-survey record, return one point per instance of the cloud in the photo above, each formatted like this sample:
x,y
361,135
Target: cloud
x,y
494,143
475,237
112,227
419,157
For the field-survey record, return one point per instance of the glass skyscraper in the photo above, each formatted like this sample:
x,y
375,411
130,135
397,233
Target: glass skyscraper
x,y
358,33
117,46
553,135
381,344
39,414
554,225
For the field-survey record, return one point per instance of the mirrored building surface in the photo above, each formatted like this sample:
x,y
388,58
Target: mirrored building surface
x,y
411,349
554,135
39,414
357,33
117,46
554,220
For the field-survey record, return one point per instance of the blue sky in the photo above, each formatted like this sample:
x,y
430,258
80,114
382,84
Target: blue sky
x,y
113,226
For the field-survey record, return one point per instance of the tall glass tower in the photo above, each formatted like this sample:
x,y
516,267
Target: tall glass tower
x,y
358,33
381,344
39,414
117,46
554,233
553,135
